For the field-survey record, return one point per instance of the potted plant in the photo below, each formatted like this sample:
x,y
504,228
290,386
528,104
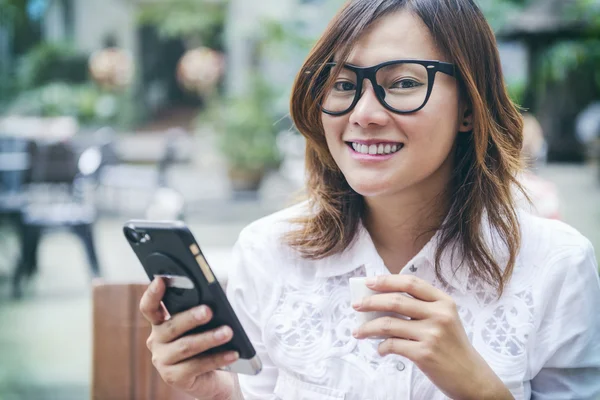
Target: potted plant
x,y
246,135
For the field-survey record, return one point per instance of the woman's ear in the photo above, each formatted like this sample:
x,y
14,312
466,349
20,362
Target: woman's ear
x,y
466,123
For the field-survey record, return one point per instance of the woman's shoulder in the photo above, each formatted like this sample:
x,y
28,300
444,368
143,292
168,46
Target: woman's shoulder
x,y
554,244
271,229
261,253
550,233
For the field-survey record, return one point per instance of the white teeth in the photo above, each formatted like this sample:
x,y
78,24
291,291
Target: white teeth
x,y
375,149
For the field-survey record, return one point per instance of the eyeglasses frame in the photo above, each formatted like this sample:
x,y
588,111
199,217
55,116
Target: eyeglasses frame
x,y
370,73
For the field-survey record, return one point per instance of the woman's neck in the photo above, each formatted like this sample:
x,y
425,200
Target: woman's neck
x,y
400,226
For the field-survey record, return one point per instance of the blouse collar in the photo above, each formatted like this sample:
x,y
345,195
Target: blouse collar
x,y
362,253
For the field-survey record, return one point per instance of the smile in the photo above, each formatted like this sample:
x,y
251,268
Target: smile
x,y
376,148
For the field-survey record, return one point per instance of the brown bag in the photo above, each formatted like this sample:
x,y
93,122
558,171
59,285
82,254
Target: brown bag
x,y
122,366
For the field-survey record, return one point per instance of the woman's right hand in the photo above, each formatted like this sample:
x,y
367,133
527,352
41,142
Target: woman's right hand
x,y
179,358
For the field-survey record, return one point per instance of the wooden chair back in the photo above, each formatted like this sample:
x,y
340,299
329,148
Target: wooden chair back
x,y
122,366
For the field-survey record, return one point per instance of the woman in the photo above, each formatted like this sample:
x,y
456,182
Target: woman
x,y
412,152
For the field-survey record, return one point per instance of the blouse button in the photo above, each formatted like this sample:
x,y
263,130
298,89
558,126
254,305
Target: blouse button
x,y
400,366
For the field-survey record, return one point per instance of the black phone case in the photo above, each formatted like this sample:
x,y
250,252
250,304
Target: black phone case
x,y
166,250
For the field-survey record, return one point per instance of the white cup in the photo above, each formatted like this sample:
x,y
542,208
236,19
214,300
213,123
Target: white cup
x,y
358,291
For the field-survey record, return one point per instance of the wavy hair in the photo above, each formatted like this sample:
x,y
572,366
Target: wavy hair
x,y
486,160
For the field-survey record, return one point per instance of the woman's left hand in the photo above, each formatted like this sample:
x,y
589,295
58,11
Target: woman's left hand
x,y
434,338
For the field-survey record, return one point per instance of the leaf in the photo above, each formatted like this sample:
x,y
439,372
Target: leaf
x,y
184,18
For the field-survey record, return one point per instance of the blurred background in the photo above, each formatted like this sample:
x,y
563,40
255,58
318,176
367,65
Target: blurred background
x,y
120,109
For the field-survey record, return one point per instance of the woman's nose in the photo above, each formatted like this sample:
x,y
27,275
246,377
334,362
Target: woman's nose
x,y
369,110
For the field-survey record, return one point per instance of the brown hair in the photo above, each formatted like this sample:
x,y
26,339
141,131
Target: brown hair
x,y
486,159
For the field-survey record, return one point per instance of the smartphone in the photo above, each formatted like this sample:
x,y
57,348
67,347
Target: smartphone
x,y
167,249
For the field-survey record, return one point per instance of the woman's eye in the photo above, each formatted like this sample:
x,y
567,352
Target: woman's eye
x,y
406,84
344,86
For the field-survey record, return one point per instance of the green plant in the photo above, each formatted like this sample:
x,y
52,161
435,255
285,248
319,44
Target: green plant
x,y
198,21
7,88
516,91
51,62
563,58
24,28
245,128
498,12
86,102
8,17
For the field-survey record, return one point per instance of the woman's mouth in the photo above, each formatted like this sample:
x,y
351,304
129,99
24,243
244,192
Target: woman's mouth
x,y
375,149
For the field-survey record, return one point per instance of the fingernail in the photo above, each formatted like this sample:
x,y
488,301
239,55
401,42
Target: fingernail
x,y
356,305
355,333
222,333
200,313
231,356
370,282
154,286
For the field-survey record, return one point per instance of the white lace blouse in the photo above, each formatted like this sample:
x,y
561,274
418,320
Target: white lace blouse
x,y
542,337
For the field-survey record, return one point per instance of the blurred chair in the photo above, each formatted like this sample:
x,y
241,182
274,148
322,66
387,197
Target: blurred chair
x,y
59,195
122,365
143,189
14,164
126,189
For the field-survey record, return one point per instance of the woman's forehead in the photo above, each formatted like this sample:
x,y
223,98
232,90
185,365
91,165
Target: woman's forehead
x,y
401,35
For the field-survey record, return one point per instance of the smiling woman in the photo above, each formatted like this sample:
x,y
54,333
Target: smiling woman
x,y
413,148
425,117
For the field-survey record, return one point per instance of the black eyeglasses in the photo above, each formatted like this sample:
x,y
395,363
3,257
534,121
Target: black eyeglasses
x,y
401,86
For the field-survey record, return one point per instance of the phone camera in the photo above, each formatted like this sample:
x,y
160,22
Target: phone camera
x,y
132,235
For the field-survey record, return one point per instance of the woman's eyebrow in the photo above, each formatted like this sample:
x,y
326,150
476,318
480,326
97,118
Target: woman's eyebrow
x,y
363,65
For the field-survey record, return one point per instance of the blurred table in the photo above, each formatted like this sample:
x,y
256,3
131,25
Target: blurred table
x,y
37,128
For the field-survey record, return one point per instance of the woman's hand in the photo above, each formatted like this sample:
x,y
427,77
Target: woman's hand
x,y
434,338
178,358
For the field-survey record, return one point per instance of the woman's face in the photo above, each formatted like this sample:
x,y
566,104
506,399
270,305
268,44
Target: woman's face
x,y
425,138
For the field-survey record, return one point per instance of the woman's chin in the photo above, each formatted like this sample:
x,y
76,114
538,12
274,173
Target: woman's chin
x,y
371,188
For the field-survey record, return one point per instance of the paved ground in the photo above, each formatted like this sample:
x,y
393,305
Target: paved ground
x,y
579,188
45,339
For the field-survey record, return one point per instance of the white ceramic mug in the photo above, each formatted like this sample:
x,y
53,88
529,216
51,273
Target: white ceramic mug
x,y
358,291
